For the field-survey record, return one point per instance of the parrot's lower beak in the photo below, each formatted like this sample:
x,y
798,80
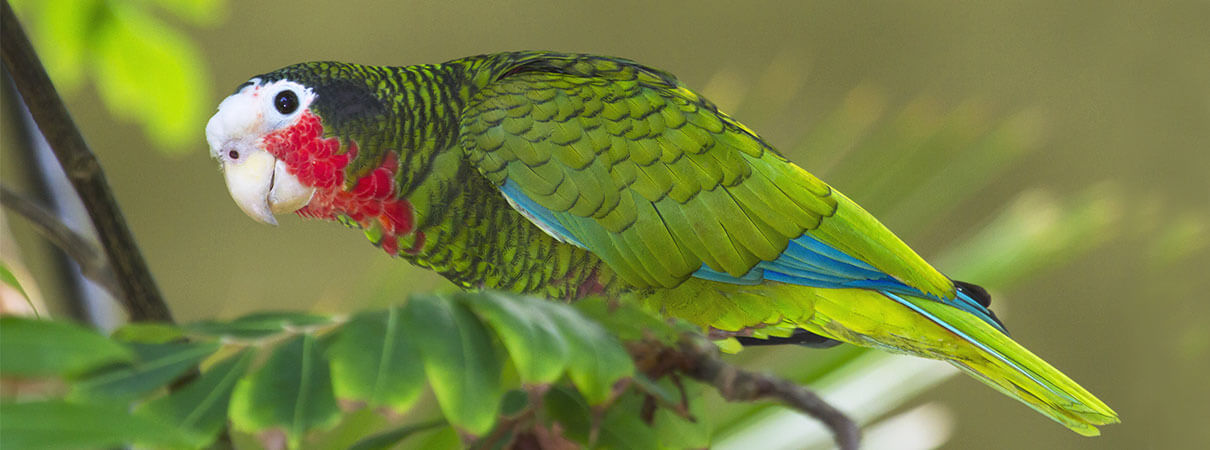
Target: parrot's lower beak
x,y
262,187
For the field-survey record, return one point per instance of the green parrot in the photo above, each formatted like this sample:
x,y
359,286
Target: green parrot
x,y
570,175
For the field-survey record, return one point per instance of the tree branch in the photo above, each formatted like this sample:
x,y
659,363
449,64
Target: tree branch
x,y
736,384
699,359
41,190
80,249
141,299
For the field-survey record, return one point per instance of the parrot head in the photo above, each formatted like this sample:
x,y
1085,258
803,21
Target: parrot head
x,y
242,135
276,140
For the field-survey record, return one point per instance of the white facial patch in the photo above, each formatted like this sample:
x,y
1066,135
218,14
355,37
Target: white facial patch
x,y
248,115
259,183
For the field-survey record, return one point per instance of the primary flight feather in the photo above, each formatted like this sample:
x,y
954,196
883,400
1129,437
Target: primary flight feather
x,y
568,175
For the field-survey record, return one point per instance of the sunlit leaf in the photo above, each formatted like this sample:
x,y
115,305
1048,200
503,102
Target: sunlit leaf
x,y
152,73
462,363
60,424
42,347
60,31
375,360
201,12
154,366
291,391
533,340
200,407
7,277
145,70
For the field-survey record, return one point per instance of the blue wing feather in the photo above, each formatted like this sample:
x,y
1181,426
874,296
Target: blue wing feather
x,y
805,261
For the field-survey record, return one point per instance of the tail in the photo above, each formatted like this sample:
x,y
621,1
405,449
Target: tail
x,y
928,328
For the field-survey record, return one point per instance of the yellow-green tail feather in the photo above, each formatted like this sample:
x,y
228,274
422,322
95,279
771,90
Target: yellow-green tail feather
x,y
1017,372
928,328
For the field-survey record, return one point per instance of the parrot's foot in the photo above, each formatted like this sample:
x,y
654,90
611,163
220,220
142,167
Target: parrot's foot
x,y
976,292
981,296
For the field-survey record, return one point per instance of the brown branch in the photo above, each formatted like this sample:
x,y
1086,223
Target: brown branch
x,y
141,299
80,249
698,358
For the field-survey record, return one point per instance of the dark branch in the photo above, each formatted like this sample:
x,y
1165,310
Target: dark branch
x,y
39,173
698,358
80,249
141,297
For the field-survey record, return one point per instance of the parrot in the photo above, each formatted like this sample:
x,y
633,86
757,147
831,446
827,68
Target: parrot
x,y
567,175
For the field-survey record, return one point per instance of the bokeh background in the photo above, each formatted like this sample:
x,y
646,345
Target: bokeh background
x,y
1080,130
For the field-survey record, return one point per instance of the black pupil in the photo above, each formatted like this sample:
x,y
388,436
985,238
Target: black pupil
x,y
286,102
233,154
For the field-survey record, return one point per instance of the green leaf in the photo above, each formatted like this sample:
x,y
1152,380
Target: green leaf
x,y
677,432
631,322
258,325
293,390
461,362
148,333
597,360
151,73
42,347
154,366
570,410
664,393
533,340
515,402
60,424
7,277
388,439
375,359
622,426
200,407
60,30
201,12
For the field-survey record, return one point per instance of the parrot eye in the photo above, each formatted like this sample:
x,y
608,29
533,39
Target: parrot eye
x,y
286,102
233,154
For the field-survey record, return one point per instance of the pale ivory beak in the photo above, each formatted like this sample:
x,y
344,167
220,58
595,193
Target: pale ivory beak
x,y
262,187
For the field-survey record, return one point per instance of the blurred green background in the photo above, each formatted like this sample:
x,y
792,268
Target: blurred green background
x,y
1107,105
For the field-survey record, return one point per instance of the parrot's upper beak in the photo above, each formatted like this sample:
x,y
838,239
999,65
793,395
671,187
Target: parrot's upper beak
x,y
262,187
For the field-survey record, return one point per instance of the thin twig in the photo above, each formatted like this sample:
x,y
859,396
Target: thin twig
x,y
699,359
141,299
80,249
28,146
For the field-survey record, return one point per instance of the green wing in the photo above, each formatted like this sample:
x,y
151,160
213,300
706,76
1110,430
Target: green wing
x,y
655,180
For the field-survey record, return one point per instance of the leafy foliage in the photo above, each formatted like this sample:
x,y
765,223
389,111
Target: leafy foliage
x,y
34,348
144,70
93,424
289,374
9,279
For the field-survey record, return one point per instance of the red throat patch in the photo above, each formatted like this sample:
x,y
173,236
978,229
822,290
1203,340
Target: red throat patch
x,y
318,162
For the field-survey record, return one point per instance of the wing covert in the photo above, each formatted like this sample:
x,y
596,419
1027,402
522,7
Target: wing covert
x,y
662,186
